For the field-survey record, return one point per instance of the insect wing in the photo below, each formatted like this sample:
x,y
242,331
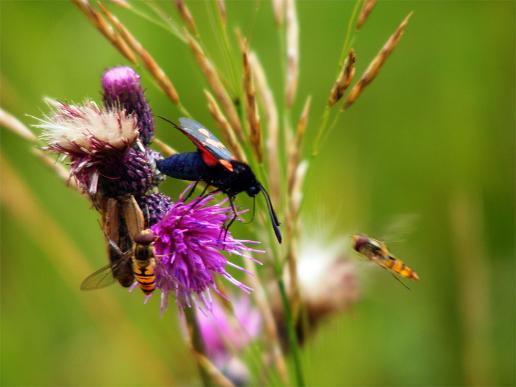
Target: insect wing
x,y
213,150
99,279
107,275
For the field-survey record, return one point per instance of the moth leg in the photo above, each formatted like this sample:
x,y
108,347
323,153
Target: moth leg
x,y
191,191
232,220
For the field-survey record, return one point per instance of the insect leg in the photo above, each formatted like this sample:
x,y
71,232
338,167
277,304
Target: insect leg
x,y
400,281
191,190
235,216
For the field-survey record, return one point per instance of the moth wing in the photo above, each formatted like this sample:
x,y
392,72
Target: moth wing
x,y
212,149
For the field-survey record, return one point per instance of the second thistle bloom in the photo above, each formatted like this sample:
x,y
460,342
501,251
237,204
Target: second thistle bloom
x,y
122,89
191,248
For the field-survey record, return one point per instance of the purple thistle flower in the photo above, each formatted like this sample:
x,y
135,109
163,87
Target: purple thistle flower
x,y
222,336
122,89
189,245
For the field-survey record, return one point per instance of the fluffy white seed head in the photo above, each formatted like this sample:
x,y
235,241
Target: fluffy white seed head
x,y
72,127
327,279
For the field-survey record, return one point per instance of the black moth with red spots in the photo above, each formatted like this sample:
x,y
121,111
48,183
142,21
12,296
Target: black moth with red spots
x,y
216,166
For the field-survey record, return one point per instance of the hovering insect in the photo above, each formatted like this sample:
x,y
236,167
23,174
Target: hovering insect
x,y
377,252
135,263
216,166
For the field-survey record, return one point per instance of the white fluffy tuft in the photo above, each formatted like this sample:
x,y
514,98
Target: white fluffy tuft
x,y
74,126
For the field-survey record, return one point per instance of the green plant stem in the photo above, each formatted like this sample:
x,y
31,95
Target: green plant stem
x,y
291,333
349,32
227,50
197,343
172,27
321,130
184,111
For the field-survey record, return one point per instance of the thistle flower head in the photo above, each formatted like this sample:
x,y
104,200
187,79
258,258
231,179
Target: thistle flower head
x,y
103,148
225,334
327,280
190,246
122,89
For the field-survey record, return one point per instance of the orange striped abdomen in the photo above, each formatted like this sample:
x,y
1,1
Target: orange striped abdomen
x,y
398,267
144,274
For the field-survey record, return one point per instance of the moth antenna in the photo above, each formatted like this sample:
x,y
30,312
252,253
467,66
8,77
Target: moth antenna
x,y
169,121
272,214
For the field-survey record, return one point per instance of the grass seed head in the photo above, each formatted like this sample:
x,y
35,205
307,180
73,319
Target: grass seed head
x,y
376,64
367,7
344,79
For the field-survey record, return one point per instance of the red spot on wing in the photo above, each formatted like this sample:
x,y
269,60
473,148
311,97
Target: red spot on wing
x,y
208,158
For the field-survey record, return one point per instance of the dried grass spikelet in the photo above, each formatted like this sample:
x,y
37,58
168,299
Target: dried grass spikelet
x,y
344,79
268,104
10,122
278,7
164,148
105,29
225,128
292,30
121,3
13,124
216,85
296,145
221,7
60,170
255,130
214,373
185,13
149,62
376,64
367,7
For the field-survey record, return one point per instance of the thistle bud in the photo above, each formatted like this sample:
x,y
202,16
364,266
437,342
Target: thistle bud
x,y
122,88
154,207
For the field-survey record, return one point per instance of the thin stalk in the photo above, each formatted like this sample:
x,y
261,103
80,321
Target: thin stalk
x,y
348,40
321,130
173,28
292,338
227,50
197,344
184,111
139,12
349,32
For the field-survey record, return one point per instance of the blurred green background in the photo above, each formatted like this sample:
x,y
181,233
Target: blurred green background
x,y
432,136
